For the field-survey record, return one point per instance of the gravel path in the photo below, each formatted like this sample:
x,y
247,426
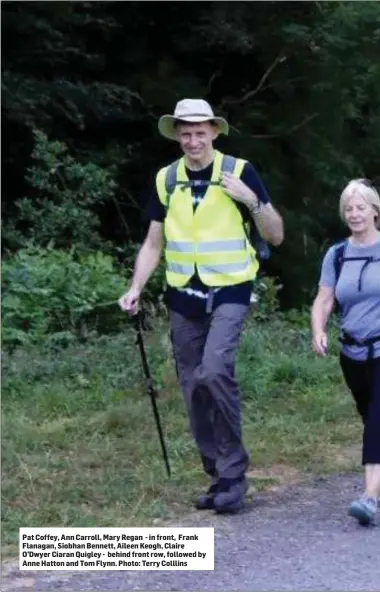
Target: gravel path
x,y
298,538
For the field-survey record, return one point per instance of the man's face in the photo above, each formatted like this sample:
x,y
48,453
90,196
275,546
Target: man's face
x,y
196,139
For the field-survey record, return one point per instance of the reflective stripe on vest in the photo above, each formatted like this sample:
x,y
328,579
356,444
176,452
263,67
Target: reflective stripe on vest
x,y
180,268
224,267
180,246
221,245
206,247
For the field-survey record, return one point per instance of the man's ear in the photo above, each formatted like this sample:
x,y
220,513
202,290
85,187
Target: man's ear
x,y
215,133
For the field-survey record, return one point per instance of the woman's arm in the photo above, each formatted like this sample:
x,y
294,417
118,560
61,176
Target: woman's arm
x,y
321,310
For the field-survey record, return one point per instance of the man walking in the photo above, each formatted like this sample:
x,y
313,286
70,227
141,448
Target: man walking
x,y
199,209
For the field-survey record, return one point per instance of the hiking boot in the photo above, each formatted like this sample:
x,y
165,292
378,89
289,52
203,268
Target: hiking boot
x,y
205,501
364,509
230,498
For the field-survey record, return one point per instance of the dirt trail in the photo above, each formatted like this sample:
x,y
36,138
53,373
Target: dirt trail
x,y
298,537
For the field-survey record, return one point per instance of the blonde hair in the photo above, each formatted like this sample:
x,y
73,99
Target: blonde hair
x,y
367,191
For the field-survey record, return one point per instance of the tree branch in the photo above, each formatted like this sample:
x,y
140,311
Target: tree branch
x,y
120,214
211,80
286,133
279,59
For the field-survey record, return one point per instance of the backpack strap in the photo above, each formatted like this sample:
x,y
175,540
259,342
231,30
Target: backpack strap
x,y
171,180
340,251
228,166
340,259
228,163
347,339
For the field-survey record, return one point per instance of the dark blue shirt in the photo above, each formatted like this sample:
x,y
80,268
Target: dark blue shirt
x,y
191,300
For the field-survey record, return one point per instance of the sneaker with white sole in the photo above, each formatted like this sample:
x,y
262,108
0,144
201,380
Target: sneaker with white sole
x,y
364,509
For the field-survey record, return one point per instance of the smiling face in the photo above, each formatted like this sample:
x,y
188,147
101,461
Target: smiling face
x,y
359,214
196,140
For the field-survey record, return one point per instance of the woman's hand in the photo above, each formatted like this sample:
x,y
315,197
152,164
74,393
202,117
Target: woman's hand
x,y
320,343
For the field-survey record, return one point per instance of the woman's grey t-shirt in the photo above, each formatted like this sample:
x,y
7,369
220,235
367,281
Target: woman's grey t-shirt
x,y
360,310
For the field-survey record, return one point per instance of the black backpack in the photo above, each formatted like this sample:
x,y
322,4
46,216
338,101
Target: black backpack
x,y
228,166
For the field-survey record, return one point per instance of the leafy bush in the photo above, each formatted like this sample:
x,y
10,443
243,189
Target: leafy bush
x,y
265,296
153,294
60,294
64,209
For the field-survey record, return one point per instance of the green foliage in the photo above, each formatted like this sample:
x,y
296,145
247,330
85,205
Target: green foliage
x,y
153,294
298,81
56,41
80,443
62,213
265,295
58,295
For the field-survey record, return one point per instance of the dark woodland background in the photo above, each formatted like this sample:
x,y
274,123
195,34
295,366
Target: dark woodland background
x,y
84,83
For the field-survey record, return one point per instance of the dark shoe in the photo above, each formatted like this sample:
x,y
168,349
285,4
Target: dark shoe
x,y
206,500
230,498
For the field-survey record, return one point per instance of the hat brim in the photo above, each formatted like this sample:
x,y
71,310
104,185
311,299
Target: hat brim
x,y
167,129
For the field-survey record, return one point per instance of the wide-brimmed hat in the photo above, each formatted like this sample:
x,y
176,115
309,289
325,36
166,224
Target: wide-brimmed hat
x,y
192,111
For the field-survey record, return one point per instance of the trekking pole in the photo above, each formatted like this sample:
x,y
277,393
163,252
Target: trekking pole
x,y
138,325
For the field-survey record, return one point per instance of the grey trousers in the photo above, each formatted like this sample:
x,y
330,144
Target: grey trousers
x,y
204,351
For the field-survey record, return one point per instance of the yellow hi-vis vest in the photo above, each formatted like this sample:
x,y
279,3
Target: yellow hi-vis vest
x,y
212,239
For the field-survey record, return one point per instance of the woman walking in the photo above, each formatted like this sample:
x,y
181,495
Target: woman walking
x,y
350,277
